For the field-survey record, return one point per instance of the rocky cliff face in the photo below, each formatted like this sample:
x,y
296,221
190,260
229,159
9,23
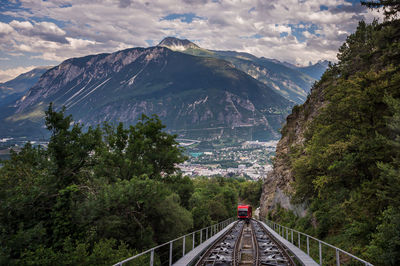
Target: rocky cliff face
x,y
277,185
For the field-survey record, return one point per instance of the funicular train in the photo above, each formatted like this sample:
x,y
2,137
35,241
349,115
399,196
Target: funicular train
x,y
244,212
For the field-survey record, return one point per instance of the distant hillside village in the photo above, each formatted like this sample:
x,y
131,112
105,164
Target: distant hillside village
x,y
250,159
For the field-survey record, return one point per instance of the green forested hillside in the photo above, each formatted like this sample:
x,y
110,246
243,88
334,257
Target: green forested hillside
x,y
348,170
97,197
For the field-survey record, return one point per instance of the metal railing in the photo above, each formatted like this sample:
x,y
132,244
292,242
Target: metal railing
x,y
205,233
285,232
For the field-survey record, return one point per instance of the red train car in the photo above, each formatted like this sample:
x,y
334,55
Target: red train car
x,y
244,212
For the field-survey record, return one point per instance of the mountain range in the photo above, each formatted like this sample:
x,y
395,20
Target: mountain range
x,y
14,89
196,92
288,80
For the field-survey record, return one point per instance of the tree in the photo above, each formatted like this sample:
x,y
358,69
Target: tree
x,y
250,192
26,197
384,248
213,199
390,7
143,149
70,149
347,168
152,151
92,195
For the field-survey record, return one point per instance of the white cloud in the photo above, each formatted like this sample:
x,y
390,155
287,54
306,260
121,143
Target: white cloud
x,y
24,25
105,26
5,29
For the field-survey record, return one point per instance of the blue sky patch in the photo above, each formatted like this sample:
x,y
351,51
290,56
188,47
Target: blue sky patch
x,y
59,23
353,1
185,17
65,5
323,7
283,34
298,29
256,36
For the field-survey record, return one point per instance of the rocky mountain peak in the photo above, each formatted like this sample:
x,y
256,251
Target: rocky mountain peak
x,y
324,63
176,44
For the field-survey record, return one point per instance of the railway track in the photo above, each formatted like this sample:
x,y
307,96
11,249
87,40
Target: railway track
x,y
245,245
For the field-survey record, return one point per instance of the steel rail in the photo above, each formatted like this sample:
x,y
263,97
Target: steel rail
x,y
213,228
277,255
236,249
255,246
212,248
282,250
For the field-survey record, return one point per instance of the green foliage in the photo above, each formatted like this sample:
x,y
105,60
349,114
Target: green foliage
x,y
213,200
143,149
104,252
135,211
348,168
170,219
97,197
385,244
69,148
390,7
250,192
288,218
183,186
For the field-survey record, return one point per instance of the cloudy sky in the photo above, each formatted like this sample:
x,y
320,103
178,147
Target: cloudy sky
x,y
36,33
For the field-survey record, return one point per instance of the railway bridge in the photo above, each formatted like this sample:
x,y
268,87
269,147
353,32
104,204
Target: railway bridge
x,y
238,243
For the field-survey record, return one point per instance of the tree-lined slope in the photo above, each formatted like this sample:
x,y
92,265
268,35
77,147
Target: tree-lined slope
x,y
339,153
99,196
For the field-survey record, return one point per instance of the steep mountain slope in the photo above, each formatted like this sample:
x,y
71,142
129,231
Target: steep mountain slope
x,y
194,96
16,88
337,164
292,82
315,71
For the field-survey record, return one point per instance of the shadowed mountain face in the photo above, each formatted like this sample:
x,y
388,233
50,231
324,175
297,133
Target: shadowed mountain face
x,y
292,82
288,82
14,89
196,97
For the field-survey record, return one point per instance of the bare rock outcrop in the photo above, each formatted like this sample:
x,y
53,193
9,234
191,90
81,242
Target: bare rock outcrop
x,y
277,186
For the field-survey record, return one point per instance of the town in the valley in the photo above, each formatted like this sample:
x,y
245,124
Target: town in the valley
x,y
248,159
